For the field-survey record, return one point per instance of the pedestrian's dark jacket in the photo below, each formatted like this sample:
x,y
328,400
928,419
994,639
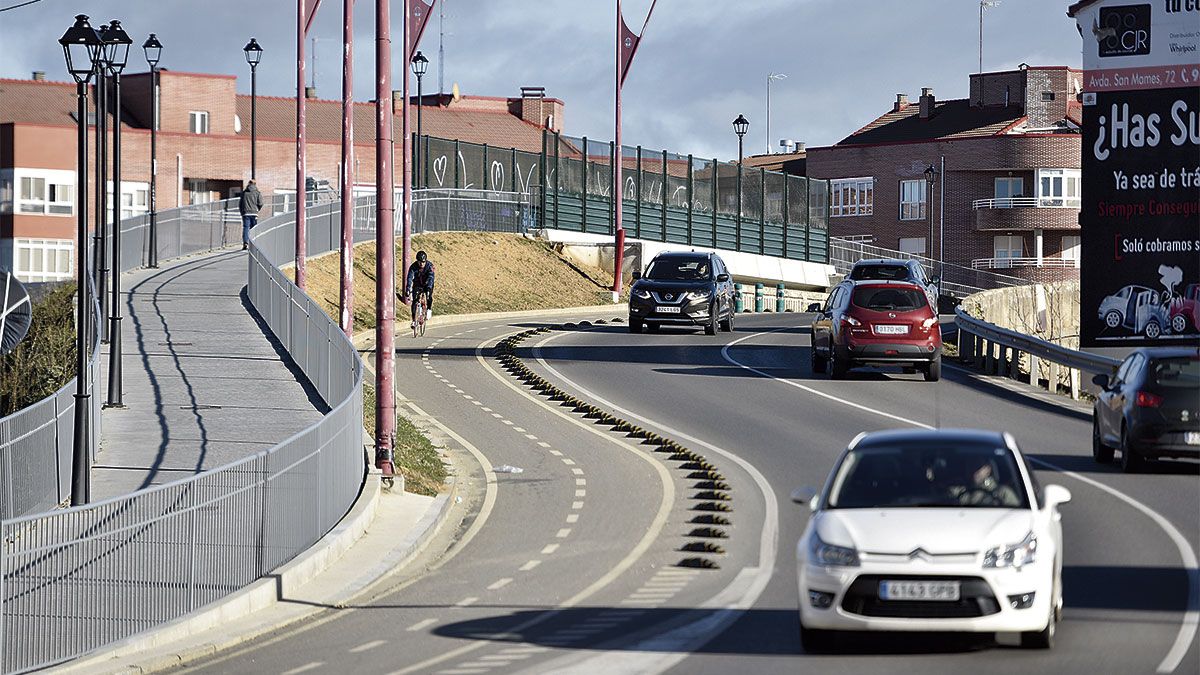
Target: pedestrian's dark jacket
x,y
251,202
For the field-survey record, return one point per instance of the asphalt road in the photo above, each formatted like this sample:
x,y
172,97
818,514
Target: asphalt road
x,y
549,574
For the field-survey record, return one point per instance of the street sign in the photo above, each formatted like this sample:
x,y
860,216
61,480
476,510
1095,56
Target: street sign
x,y
1140,216
16,312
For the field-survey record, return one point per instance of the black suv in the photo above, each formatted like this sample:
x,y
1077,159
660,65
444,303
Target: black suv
x,y
683,289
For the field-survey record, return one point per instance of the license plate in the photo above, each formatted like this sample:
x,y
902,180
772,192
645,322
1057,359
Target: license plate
x,y
663,309
945,591
1191,437
891,330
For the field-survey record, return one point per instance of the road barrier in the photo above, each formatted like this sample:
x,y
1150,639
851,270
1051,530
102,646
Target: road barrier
x,y
998,351
956,281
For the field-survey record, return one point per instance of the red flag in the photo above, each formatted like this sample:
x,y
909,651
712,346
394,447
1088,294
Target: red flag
x,y
312,14
421,10
629,41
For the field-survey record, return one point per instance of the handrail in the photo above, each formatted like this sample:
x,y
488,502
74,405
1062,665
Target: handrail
x,y
1027,202
1005,263
1042,349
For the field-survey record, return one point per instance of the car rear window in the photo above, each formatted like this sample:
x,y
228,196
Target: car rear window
x,y
679,269
880,272
1182,372
888,298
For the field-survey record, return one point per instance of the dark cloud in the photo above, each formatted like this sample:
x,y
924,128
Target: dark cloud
x,y
701,64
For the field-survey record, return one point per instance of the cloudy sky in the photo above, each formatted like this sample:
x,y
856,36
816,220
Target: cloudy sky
x,y
702,62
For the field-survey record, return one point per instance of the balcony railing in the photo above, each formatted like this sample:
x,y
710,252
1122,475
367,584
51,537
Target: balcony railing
x,y
1027,203
1009,263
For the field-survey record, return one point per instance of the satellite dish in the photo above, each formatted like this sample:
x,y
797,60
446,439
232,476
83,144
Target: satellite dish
x,y
16,313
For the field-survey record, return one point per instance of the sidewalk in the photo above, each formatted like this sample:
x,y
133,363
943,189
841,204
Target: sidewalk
x,y
204,384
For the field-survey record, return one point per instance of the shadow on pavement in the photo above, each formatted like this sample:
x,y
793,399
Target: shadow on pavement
x,y
1085,464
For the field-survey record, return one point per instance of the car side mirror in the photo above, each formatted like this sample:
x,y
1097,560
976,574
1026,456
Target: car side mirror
x,y
805,495
1054,495
722,278
1101,381
637,274
814,307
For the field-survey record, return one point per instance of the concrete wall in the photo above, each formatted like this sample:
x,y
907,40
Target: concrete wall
x,y
1046,311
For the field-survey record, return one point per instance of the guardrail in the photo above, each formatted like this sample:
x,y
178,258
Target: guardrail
x,y
956,280
1027,202
75,580
1007,263
998,351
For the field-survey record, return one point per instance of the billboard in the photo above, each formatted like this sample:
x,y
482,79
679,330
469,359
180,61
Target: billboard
x,y
1140,210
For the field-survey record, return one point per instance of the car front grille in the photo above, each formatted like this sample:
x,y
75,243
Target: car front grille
x,y
975,599
676,297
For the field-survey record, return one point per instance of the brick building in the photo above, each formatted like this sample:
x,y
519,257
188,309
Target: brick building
x,y
203,150
1011,175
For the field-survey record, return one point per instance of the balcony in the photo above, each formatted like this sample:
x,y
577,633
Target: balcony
x,y
1026,213
1032,270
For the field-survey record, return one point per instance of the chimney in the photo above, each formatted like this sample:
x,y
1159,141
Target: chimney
x,y
310,92
901,102
39,76
799,147
927,100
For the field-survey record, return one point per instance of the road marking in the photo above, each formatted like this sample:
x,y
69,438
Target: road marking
x,y
572,517
457,390
508,422
569,462
576,505
564,533
497,415
467,602
476,402
556,453
368,646
543,444
1191,618
551,548
529,565
581,493
421,625
461,671
501,583
531,437
468,397
304,668
519,430
486,409
581,481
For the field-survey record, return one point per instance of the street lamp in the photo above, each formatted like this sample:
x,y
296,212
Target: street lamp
x,y
81,46
116,55
772,76
740,126
253,56
419,65
153,50
100,229
931,174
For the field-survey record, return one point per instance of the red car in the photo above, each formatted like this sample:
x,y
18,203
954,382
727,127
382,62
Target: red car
x,y
1185,311
876,323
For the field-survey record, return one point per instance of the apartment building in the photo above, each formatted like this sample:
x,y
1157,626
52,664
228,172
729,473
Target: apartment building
x,y
1006,193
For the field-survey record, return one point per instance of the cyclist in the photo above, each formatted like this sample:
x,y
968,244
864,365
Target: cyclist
x,y
418,281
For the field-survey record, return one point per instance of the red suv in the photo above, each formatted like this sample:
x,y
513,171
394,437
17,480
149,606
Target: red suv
x,y
876,323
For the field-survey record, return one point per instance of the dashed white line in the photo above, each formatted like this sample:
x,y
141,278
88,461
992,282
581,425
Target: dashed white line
x,y
576,505
581,493
500,583
476,402
468,397
497,415
556,453
367,646
519,430
577,471
487,409
421,625
581,481
550,548
531,437
572,517
467,602
543,444
529,565
304,668
569,462
507,422
564,533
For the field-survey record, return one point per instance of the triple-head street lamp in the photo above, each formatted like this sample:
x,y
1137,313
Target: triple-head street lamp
x,y
116,55
82,48
740,126
153,50
419,65
253,56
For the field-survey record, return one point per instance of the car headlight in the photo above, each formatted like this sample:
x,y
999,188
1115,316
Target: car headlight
x,y
1015,555
639,293
827,554
698,295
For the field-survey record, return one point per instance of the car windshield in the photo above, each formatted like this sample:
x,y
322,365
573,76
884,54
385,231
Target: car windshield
x,y
879,272
888,298
928,475
1182,372
679,269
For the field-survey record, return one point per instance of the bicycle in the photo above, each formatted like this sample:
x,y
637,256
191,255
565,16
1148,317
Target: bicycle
x,y
419,320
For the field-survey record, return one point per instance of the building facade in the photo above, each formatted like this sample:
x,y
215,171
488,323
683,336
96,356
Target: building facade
x,y
203,150
1005,192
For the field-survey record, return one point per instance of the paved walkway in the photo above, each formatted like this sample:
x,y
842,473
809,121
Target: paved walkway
x,y
205,384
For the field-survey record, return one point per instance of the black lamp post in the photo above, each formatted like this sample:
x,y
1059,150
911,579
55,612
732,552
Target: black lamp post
x,y
420,64
931,173
116,55
740,126
153,50
100,230
253,56
81,46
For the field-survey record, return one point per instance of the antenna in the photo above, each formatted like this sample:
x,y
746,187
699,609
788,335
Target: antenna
x,y
983,6
442,46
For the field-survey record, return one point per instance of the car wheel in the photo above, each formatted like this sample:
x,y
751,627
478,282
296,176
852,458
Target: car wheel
x,y
1100,452
727,324
838,368
710,328
1044,638
1179,324
933,370
815,641
1131,462
1112,319
635,326
818,361
1153,330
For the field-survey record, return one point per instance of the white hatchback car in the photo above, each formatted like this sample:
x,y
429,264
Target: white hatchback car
x,y
943,530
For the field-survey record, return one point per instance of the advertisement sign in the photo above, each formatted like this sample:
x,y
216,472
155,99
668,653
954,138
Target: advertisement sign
x,y
1140,210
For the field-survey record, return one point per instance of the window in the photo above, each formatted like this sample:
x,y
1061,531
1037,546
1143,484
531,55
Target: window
x,y
1007,246
1008,187
912,199
198,121
1047,96
1070,249
44,192
43,259
32,195
1058,187
851,196
912,245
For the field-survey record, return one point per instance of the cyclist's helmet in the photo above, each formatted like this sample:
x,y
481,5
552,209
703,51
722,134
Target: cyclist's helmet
x,y
421,257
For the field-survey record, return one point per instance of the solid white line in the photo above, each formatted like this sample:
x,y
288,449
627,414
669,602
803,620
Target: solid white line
x,y
304,668
501,583
1191,618
529,565
368,646
421,625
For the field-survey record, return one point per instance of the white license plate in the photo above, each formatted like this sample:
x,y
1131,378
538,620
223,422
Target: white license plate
x,y
1191,437
891,330
664,309
947,591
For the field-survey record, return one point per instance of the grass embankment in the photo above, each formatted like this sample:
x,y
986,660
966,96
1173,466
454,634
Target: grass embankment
x,y
476,272
45,360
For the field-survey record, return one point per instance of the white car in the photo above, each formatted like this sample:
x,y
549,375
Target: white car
x,y
941,530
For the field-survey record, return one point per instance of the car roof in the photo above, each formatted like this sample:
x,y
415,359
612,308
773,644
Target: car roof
x,y
683,254
899,283
966,436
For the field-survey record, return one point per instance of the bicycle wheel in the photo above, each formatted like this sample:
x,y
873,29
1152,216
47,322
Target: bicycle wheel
x,y
421,323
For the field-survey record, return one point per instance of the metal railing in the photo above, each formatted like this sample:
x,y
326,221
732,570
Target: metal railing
x,y
1027,202
75,580
456,209
1007,263
956,280
999,351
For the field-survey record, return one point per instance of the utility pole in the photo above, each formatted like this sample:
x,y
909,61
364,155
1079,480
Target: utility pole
x,y
771,76
442,47
346,315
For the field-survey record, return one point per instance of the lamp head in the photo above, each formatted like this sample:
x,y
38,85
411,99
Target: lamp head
x,y
253,52
116,46
82,48
420,64
741,125
153,49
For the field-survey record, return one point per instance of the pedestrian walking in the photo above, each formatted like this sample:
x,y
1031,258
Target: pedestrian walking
x,y
249,206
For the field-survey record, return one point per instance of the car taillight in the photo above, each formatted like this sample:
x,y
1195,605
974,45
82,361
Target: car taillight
x,y
851,321
1147,400
929,323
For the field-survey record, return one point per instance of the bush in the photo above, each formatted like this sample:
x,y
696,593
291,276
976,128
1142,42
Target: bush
x,y
45,360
